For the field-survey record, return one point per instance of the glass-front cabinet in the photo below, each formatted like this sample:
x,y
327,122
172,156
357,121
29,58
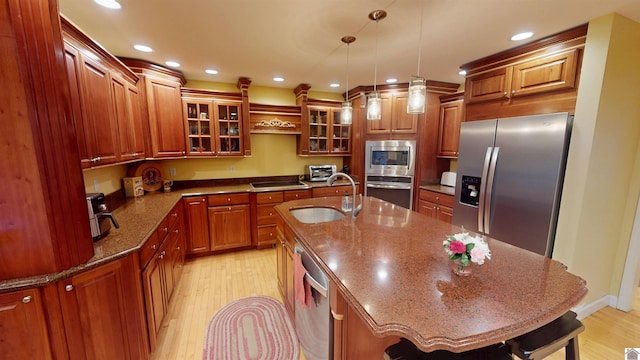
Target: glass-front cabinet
x,y
326,134
213,127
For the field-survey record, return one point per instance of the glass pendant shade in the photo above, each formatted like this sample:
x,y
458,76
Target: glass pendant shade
x,y
374,106
417,96
346,113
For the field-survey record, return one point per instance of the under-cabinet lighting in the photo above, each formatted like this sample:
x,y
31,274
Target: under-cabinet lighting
x,y
173,63
522,36
109,4
211,71
143,48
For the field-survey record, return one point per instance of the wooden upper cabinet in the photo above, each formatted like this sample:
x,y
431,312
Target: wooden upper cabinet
x,y
165,117
451,116
394,116
492,85
327,135
127,110
549,73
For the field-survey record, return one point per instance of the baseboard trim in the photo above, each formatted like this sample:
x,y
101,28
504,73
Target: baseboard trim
x,y
585,310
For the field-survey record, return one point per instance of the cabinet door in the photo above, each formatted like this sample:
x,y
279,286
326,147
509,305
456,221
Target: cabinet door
x,y
550,73
229,128
319,121
72,59
197,224
153,287
121,112
23,328
332,191
401,122
229,226
99,313
382,126
449,130
136,134
98,113
445,214
199,129
290,294
492,85
428,208
165,118
340,134
280,263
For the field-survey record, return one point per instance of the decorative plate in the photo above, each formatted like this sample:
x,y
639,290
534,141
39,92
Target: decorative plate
x,y
152,175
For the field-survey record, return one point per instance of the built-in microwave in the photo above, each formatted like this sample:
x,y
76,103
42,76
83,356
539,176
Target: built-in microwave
x,y
390,157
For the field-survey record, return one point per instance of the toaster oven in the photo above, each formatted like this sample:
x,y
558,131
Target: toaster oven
x,y
321,172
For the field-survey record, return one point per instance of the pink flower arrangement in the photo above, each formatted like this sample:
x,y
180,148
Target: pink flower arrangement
x,y
466,248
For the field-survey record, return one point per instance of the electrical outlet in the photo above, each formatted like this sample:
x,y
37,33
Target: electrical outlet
x,y
172,171
96,185
232,169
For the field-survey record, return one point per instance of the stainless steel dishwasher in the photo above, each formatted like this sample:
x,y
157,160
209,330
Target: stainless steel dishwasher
x,y
313,324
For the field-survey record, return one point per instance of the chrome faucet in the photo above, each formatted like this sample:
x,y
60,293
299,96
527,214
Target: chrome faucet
x,y
354,209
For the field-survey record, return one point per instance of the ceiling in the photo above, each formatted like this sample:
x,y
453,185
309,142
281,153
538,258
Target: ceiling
x,y
299,40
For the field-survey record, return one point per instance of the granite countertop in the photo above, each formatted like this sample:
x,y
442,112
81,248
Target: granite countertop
x,y
390,266
138,218
447,190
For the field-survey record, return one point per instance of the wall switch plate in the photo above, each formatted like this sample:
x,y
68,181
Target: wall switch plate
x,y
172,171
96,185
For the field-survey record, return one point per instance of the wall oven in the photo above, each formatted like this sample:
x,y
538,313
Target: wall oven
x,y
389,171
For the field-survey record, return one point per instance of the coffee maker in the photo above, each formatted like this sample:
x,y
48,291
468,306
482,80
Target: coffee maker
x,y
100,218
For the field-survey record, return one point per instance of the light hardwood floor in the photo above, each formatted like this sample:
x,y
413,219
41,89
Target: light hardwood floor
x,y
209,283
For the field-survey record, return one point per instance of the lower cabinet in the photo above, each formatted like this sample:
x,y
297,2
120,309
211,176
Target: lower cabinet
x,y
229,221
285,250
436,205
23,329
265,232
163,270
196,224
102,312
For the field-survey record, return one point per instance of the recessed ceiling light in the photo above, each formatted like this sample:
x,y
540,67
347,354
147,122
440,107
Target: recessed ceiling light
x,y
143,48
211,71
462,72
392,80
278,79
110,4
334,85
173,63
522,36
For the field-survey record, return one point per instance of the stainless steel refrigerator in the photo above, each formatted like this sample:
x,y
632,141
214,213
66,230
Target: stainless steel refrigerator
x,y
509,178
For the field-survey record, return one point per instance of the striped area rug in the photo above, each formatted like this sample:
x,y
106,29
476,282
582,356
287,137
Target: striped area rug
x,y
252,328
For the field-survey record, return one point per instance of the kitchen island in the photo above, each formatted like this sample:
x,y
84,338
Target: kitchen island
x,y
391,277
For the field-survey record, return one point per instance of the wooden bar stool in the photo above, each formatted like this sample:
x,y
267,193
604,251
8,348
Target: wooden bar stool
x,y
540,343
406,350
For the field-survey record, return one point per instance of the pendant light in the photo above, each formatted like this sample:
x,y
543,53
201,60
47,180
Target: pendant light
x,y
418,85
346,115
374,102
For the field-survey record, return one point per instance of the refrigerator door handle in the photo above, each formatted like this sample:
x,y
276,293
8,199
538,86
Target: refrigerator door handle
x,y
492,173
485,173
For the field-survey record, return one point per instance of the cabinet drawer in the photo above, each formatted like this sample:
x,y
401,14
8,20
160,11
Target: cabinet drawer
x,y
435,197
332,191
297,194
227,199
174,214
271,197
267,234
266,215
149,249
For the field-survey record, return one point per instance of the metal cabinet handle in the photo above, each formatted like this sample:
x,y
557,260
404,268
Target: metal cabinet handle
x,y
68,288
165,229
270,214
513,92
296,196
26,299
174,214
203,199
504,94
270,234
228,199
176,231
153,247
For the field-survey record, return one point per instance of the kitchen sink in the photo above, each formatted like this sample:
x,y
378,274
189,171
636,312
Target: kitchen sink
x,y
314,215
280,185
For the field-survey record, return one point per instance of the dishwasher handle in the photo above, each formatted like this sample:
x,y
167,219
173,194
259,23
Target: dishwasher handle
x,y
322,290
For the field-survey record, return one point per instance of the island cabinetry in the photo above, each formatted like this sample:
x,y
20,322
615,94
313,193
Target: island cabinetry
x,y
102,312
351,337
340,190
229,221
436,205
284,254
213,123
395,119
265,234
451,116
162,108
197,224
539,77
24,331
163,270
